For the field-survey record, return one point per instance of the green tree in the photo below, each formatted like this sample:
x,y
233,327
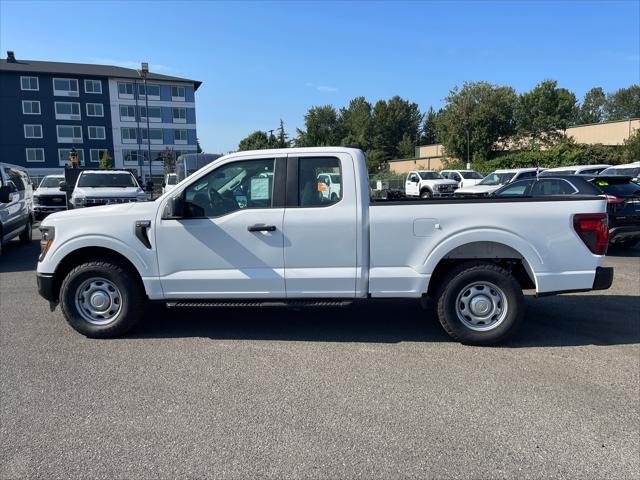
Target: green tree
x,y
376,160
592,108
429,128
631,150
480,112
282,137
623,104
168,158
406,147
391,120
356,123
544,112
105,160
257,140
322,128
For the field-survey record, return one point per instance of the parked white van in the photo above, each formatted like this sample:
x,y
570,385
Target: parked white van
x,y
16,204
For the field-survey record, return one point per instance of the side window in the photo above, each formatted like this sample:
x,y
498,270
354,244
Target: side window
x,y
413,177
552,186
312,190
518,189
524,175
15,177
231,187
455,176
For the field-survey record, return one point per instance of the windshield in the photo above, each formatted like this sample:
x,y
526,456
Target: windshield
x,y
171,179
625,172
497,178
51,182
471,175
430,175
111,179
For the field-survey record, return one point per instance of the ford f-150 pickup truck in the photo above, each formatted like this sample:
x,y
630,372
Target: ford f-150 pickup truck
x,y
255,229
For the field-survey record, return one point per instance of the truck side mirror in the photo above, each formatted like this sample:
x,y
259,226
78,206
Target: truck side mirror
x,y
5,194
174,209
63,186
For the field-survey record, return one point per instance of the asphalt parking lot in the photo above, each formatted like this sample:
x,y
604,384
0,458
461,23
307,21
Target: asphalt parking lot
x,y
371,391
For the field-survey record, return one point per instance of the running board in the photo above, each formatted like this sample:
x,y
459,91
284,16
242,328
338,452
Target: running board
x,y
259,303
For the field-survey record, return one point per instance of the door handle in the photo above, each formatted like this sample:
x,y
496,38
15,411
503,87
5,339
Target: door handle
x,y
262,228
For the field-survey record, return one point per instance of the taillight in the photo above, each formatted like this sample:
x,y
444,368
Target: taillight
x,y
612,199
593,229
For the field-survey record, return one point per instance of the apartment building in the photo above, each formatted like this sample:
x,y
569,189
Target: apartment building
x,y
48,108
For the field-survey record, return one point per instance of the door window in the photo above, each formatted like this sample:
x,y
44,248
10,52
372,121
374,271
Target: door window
x,y
231,187
552,186
313,175
14,176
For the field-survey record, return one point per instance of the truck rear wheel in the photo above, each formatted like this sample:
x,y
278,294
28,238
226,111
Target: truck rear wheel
x,y
480,304
101,299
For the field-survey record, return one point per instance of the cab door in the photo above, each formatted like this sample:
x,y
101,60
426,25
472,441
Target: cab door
x,y
411,186
320,231
229,241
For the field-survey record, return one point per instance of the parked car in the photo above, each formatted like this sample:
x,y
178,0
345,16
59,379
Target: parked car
x,y
48,198
576,170
329,185
16,203
103,187
496,179
170,181
623,199
250,230
427,184
627,170
465,178
623,207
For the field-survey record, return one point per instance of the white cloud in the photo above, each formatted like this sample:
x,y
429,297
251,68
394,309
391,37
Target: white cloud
x,y
154,67
322,88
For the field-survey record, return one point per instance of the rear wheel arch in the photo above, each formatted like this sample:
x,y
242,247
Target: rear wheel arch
x,y
92,254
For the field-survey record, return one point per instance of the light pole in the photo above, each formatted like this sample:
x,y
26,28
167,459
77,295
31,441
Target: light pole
x,y
144,71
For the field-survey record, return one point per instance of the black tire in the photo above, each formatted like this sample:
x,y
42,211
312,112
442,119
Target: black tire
x,y
470,277
27,234
131,298
425,194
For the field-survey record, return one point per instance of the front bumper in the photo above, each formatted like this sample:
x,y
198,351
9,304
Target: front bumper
x,y
45,287
624,233
48,209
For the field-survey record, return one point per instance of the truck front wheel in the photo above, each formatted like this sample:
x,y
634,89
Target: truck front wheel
x,y
101,299
480,304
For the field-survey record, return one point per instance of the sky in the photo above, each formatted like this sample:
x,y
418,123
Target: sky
x,y
265,61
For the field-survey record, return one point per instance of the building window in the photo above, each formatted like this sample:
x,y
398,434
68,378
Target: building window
x,y
95,154
177,93
155,114
31,107
63,156
180,137
153,90
95,110
155,135
65,87
67,110
29,83
35,154
125,90
33,131
134,155
127,113
179,115
97,133
69,134
92,86
128,135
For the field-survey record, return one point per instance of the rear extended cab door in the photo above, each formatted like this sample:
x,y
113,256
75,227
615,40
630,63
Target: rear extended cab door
x,y
324,238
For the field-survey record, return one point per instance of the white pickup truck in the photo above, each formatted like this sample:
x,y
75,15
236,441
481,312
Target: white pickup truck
x,y
254,229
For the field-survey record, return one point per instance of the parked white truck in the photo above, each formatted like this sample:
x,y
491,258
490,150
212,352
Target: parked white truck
x,y
252,229
427,184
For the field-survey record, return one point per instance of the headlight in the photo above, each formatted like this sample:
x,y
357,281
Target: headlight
x,y
78,201
47,235
36,200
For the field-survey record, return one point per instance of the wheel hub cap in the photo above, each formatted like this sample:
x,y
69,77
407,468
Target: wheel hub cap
x,y
98,301
481,306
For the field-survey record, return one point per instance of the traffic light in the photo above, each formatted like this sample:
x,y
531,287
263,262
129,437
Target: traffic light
x,y
73,158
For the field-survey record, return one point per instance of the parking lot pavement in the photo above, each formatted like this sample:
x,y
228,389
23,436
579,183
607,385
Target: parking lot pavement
x,y
373,390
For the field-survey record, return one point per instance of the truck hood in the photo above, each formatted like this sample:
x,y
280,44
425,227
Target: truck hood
x,y
478,189
443,181
92,214
48,191
107,192
469,182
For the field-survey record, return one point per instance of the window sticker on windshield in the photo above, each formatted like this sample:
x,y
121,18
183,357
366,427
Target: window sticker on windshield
x,y
260,188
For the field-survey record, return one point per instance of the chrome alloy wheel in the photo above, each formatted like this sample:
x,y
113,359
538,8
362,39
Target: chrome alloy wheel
x,y
481,306
98,301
